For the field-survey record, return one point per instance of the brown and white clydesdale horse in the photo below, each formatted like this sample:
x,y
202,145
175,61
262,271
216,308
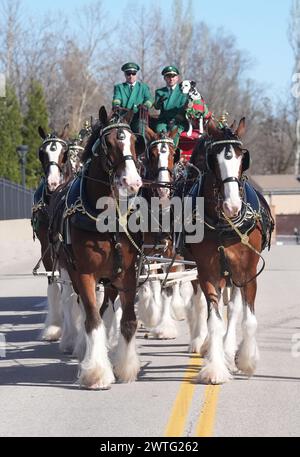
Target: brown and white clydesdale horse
x,y
53,155
234,236
109,170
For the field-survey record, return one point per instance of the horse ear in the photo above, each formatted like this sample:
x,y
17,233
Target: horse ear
x,y
42,132
65,132
128,117
103,115
173,133
212,129
150,134
233,125
240,132
193,83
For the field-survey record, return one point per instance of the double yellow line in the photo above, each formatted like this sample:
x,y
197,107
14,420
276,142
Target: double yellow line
x,y
179,414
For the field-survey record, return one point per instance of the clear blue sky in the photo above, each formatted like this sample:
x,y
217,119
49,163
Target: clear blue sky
x,y
260,28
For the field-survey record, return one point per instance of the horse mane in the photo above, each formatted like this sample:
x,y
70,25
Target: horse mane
x,y
87,153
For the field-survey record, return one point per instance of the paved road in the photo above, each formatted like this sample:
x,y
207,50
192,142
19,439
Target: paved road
x,y
39,396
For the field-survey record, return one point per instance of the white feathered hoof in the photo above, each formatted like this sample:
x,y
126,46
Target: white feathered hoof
x,y
96,378
67,345
212,373
178,313
230,363
245,361
80,348
197,346
165,331
51,333
126,362
129,372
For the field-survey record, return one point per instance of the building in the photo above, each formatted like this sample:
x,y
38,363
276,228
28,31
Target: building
x,y
282,192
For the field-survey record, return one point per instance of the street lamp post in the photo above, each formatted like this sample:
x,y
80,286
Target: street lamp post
x,y
22,151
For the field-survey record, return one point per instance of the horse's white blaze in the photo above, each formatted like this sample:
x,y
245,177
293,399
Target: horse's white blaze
x,y
54,175
230,168
163,175
129,179
96,371
248,354
127,364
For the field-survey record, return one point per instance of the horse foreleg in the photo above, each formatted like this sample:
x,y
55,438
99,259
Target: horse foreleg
x,y
71,314
53,323
178,309
112,315
230,340
166,328
197,319
149,303
127,364
214,370
248,355
95,369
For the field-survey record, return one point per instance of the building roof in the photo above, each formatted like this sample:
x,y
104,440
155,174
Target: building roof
x,y
276,184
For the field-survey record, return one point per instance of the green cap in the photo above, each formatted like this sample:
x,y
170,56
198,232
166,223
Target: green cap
x,y
170,70
130,66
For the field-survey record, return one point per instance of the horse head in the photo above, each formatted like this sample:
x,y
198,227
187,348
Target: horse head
x,y
160,159
75,151
227,159
118,149
53,155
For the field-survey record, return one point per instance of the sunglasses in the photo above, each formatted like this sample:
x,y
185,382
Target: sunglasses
x,y
128,73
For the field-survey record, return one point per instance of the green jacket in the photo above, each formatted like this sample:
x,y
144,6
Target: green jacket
x,y
172,106
125,98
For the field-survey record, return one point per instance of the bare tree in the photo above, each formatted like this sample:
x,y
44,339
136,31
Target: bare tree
x,y
294,38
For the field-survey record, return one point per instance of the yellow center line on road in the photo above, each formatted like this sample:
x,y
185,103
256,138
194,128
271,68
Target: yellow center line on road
x,y
205,424
180,410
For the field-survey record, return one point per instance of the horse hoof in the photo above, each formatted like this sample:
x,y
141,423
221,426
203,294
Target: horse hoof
x,y
164,333
96,387
211,374
195,346
51,333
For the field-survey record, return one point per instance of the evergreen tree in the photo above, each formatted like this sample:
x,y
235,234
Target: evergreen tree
x,y
10,135
37,115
